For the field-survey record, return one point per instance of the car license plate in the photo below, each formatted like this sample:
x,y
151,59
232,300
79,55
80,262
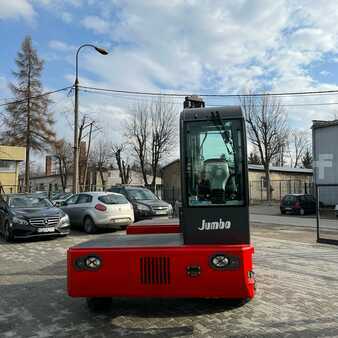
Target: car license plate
x,y
50,229
121,220
161,212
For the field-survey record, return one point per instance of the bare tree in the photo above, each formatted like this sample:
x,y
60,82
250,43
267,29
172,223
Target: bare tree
x,y
151,133
163,131
267,129
124,167
64,152
254,158
307,159
298,142
137,134
100,159
28,121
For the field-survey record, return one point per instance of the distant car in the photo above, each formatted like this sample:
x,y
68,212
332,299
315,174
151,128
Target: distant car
x,y
42,194
58,198
298,204
146,204
93,210
28,215
336,209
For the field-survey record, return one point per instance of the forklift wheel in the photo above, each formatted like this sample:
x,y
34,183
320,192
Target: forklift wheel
x,y
99,304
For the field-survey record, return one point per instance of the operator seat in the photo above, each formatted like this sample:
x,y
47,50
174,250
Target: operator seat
x,y
218,173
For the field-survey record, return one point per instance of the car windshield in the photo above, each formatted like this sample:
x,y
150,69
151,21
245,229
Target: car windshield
x,y
29,202
113,199
141,194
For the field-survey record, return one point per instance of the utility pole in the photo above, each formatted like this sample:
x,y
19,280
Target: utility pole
x,y
76,136
76,115
88,152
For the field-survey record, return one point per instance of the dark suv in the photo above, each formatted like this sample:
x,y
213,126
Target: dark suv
x,y
145,203
298,204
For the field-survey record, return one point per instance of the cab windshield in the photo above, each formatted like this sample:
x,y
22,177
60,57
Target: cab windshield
x,y
214,163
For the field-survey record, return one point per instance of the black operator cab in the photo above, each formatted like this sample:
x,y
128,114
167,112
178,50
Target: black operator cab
x,y
214,176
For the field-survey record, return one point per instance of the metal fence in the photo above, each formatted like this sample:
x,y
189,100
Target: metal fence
x,y
279,188
49,190
327,220
257,191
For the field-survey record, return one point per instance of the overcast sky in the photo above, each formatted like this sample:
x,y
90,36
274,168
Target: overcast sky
x,y
191,46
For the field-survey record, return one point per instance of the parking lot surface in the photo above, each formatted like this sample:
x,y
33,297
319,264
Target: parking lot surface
x,y
297,295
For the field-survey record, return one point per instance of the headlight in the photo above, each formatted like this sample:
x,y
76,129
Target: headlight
x,y
19,220
142,207
224,262
93,262
220,261
64,220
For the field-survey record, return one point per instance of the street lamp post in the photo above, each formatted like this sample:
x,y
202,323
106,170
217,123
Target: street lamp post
x,y
76,116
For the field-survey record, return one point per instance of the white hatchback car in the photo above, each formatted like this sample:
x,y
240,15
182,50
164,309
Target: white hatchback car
x,y
94,210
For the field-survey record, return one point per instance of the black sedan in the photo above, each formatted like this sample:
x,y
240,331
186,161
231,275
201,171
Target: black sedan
x,y
24,215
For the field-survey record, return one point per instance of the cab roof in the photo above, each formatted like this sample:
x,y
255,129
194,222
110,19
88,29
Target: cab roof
x,y
228,112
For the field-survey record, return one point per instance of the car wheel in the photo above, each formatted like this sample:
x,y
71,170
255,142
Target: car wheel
x,y
8,234
301,212
99,304
283,212
89,225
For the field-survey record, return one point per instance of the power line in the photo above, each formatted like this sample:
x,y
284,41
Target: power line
x,y
35,97
211,95
144,98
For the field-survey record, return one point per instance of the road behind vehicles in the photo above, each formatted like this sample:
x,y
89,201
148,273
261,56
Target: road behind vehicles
x,y
300,204
93,210
146,204
27,215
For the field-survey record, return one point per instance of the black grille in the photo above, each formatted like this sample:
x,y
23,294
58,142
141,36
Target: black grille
x,y
155,270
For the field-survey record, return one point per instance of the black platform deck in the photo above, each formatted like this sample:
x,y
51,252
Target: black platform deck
x,y
134,241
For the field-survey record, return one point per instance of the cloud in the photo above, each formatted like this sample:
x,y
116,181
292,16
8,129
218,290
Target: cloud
x,y
66,17
219,46
61,46
16,9
96,24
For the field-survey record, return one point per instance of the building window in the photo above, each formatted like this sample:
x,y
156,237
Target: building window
x,y
7,166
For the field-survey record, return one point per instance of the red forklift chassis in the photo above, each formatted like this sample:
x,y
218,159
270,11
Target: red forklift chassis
x,y
208,254
159,266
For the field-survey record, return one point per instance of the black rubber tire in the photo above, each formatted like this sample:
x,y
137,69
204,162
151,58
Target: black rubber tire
x,y
89,225
283,212
8,235
99,304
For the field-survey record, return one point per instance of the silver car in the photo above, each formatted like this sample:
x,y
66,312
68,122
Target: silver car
x,y
94,210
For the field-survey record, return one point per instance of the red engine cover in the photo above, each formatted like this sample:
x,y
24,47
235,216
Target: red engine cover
x,y
161,271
